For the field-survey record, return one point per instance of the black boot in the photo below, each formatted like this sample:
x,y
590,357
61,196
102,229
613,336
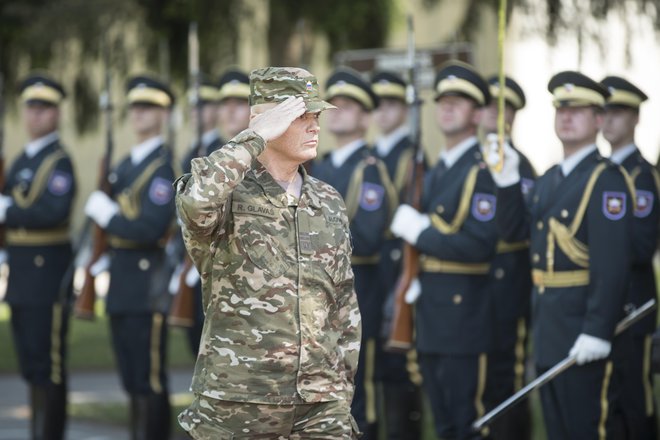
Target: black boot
x,y
38,401
160,415
150,417
139,410
48,411
403,411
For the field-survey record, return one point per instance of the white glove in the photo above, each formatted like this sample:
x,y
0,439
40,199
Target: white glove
x,y
413,292
590,348
192,277
5,203
509,174
173,286
101,208
100,265
408,223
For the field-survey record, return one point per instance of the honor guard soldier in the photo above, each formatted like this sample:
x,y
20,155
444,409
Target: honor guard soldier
x,y
362,180
137,218
398,376
510,282
233,94
228,104
206,141
579,223
456,236
36,210
621,118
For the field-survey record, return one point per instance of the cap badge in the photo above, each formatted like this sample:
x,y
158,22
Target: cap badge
x,y
308,86
569,87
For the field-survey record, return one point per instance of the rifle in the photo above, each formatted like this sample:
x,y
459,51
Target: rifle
x,y
182,310
559,368
401,332
84,305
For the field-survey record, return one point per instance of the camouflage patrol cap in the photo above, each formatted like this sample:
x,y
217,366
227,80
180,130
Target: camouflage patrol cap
x,y
275,84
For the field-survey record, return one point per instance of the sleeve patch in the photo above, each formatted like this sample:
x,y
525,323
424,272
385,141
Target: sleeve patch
x,y
483,206
160,191
59,183
526,186
644,203
372,196
614,204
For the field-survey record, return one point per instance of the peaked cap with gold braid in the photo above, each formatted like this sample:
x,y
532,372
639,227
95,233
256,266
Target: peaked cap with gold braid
x,y
623,93
41,88
574,89
147,90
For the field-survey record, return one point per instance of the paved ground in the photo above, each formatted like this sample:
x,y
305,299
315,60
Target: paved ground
x,y
85,387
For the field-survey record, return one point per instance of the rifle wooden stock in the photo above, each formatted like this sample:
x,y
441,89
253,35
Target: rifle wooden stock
x,y
182,310
401,333
84,306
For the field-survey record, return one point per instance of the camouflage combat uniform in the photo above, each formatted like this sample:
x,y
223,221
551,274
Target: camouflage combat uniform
x,y
282,331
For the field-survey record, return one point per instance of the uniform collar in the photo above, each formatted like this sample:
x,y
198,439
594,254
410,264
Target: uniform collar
x,y
450,157
141,151
569,164
623,153
385,144
33,148
341,155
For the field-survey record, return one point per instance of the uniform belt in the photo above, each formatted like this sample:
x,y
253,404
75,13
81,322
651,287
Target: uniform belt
x,y
430,264
504,247
38,237
122,243
568,278
358,260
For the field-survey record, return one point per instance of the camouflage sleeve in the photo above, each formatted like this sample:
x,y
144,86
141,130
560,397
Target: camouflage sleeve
x,y
202,196
349,342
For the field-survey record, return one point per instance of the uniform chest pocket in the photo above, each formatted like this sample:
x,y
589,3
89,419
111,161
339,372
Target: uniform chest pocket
x,y
331,249
262,250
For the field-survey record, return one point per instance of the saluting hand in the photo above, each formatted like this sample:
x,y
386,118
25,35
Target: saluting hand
x,y
272,123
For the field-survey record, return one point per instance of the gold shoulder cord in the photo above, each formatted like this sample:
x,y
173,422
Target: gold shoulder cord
x,y
355,188
129,198
463,207
564,236
40,181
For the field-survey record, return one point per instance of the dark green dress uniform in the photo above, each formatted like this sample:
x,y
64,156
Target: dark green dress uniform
x,y
42,187
511,284
637,404
398,374
363,182
454,313
579,227
137,297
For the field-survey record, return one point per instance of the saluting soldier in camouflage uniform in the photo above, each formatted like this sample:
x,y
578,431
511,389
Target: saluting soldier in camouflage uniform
x,y
456,235
510,282
362,180
397,376
137,217
36,209
282,326
633,367
579,223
